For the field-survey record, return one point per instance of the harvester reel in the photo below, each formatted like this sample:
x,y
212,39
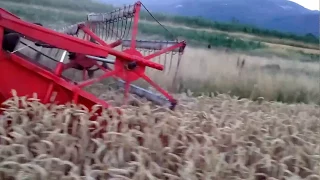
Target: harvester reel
x,y
129,65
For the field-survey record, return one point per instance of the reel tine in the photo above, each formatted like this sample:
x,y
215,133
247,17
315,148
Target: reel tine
x,y
153,52
107,30
126,22
144,51
112,26
130,26
165,63
101,31
122,18
111,23
171,59
117,21
165,59
178,67
98,29
159,59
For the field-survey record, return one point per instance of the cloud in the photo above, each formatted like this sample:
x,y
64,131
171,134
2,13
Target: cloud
x,y
310,4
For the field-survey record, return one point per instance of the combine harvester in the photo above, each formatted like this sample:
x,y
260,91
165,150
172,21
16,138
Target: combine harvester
x,y
27,49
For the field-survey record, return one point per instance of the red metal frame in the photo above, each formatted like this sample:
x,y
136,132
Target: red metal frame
x,y
1,36
33,78
66,42
137,8
133,75
18,69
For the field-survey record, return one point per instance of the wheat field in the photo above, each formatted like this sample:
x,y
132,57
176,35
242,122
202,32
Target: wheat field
x,y
212,136
208,70
227,126
206,138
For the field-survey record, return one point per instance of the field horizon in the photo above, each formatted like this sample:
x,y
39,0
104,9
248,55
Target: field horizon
x,y
216,68
248,107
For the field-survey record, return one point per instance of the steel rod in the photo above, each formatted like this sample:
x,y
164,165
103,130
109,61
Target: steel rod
x,y
110,61
157,99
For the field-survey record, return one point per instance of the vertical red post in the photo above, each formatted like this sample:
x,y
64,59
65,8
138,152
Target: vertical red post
x,y
137,8
57,71
60,64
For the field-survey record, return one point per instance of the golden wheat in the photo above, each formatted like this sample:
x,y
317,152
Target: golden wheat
x,y
206,70
205,138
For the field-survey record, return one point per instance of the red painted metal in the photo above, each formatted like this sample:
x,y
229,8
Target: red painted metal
x,y
137,8
66,42
3,11
115,44
158,53
27,78
129,75
130,65
1,36
92,35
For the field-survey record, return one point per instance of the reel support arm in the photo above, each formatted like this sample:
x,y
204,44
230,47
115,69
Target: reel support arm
x,y
125,56
116,43
85,29
92,35
3,11
71,44
137,8
165,50
158,88
56,39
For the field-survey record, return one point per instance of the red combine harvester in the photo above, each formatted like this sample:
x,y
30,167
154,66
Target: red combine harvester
x,y
27,49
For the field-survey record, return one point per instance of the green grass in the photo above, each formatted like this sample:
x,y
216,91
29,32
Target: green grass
x,y
75,5
235,27
56,18
62,12
90,6
215,39
44,16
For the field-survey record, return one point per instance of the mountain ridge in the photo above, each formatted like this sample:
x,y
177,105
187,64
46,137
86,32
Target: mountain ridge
x,y
280,15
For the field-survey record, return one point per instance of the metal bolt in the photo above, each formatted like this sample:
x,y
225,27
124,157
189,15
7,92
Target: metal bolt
x,y
131,65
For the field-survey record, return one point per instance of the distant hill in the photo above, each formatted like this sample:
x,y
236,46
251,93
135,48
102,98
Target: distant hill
x,y
281,15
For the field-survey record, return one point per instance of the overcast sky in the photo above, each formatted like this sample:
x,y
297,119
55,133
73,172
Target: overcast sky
x,y
310,4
